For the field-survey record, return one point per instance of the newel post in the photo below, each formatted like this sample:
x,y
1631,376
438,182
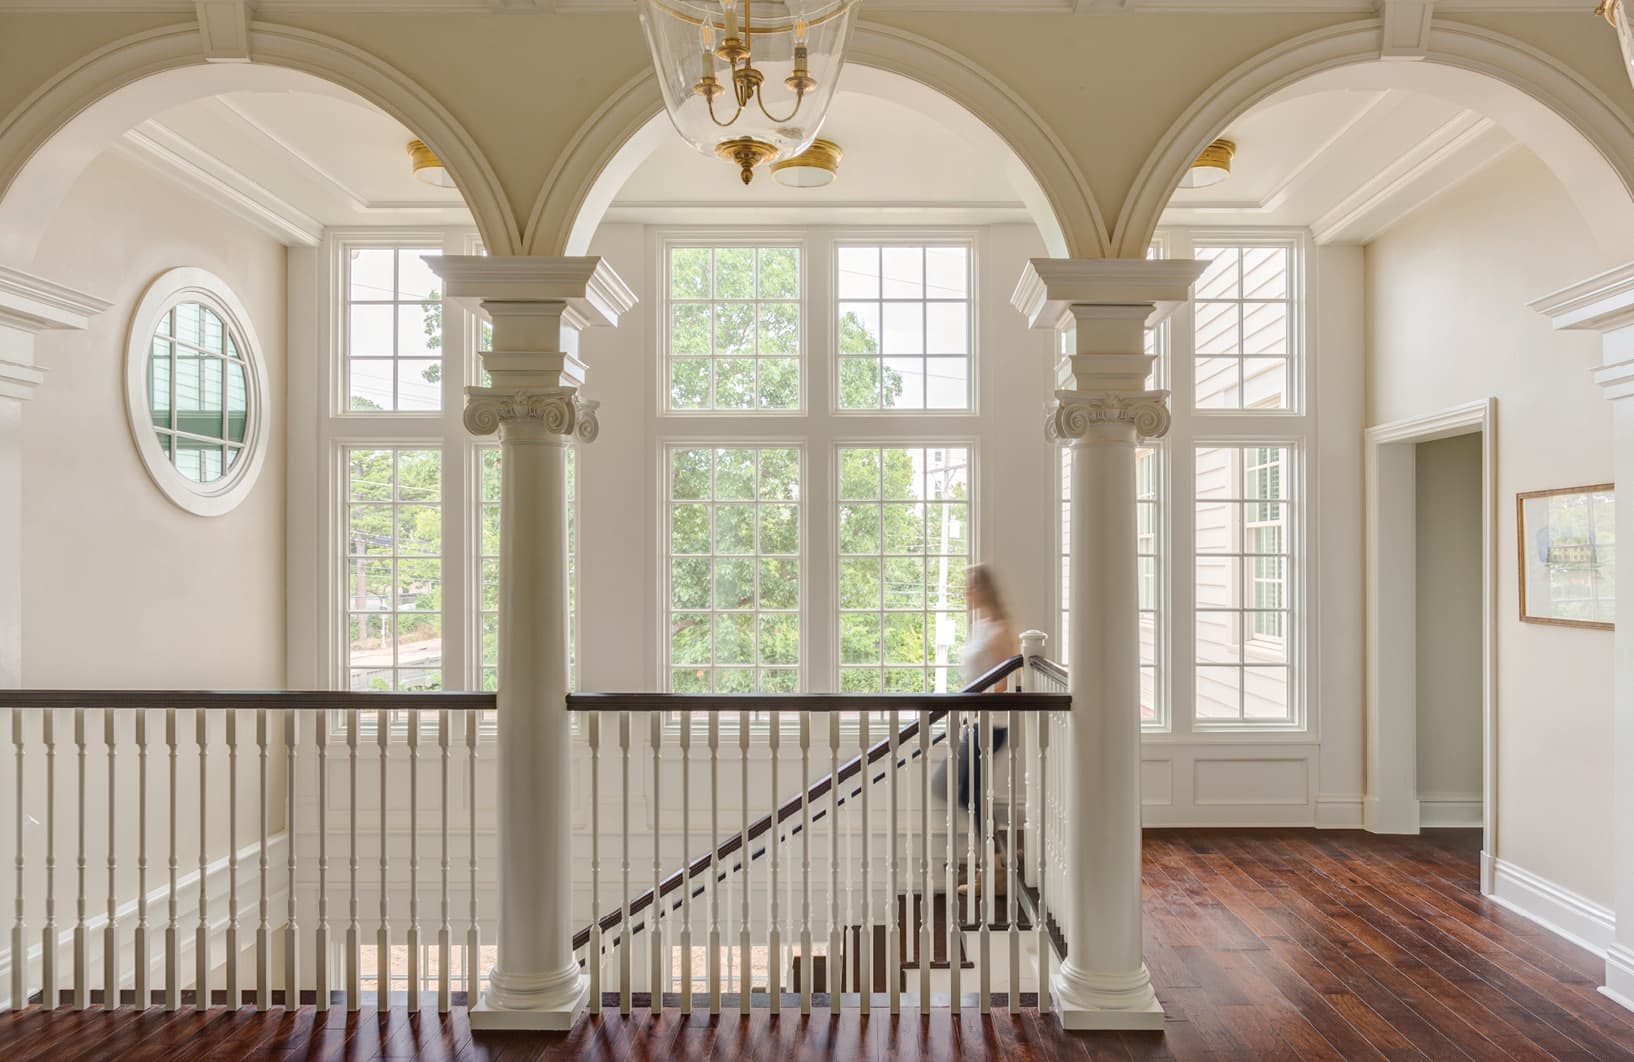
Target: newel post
x,y
1605,304
1100,409
538,307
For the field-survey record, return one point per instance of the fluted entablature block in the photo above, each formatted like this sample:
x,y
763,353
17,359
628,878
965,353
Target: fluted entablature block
x,y
1051,289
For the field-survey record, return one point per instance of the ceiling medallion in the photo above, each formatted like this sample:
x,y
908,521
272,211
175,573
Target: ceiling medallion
x,y
749,90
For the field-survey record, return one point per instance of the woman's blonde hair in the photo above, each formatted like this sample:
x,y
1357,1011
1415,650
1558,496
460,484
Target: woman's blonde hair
x,y
979,578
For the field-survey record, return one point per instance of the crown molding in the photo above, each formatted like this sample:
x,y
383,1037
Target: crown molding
x,y
34,304
1601,303
1409,181
179,159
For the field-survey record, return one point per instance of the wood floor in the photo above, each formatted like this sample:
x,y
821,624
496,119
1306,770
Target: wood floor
x,y
1263,944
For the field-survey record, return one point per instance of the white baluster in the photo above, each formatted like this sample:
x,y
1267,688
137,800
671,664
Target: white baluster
x,y
745,966
926,898
382,953
19,928
263,926
354,931
110,932
473,933
201,935
49,997
625,966
805,863
292,936
989,878
1012,914
173,951
956,762
865,931
1043,728
140,943
686,864
414,972
445,935
774,948
320,735
714,863
836,950
656,978
82,980
896,907
593,957
235,990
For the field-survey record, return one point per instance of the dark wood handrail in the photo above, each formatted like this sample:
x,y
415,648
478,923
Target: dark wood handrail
x,y
971,695
295,700
733,703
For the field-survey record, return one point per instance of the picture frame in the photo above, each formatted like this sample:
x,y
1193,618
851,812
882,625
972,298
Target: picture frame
x,y
1566,548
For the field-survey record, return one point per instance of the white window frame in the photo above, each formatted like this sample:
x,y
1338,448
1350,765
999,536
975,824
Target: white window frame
x,y
930,237
1297,243
670,238
168,290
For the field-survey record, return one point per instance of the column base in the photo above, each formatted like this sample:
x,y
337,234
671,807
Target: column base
x,y
1091,1001
1619,984
553,1005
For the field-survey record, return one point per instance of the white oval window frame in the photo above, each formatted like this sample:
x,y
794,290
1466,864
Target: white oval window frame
x,y
190,284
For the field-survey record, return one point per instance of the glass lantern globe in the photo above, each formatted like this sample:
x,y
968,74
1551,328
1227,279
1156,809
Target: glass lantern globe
x,y
748,80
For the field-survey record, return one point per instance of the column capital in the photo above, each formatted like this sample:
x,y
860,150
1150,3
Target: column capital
x,y
1603,303
1076,415
555,412
30,305
1052,289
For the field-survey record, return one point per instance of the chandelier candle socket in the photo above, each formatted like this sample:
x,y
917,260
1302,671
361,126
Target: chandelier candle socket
x,y
717,72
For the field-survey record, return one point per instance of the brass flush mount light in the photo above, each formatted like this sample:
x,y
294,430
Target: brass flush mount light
x,y
717,70
428,168
815,167
1211,166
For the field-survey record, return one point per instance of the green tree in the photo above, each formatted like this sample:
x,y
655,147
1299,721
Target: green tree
x,y
433,325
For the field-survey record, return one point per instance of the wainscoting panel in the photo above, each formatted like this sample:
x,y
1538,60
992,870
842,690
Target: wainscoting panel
x,y
1228,783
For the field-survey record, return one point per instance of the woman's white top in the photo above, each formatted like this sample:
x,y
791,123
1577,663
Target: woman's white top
x,y
985,648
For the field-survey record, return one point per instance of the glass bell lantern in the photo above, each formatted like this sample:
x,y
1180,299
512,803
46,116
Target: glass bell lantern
x,y
748,80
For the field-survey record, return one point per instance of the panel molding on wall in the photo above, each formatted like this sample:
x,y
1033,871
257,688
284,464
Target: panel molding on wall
x,y
1216,783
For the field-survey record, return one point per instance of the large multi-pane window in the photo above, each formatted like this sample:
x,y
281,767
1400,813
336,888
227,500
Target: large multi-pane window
x,y
1242,564
393,327
903,326
1244,326
393,580
1148,536
732,516
733,327
904,534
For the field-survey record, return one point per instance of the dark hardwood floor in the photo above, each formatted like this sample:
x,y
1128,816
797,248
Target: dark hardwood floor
x,y
1264,944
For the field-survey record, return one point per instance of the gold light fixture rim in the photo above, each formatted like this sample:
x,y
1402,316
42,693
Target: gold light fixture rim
x,y
777,24
821,155
746,152
422,157
1216,156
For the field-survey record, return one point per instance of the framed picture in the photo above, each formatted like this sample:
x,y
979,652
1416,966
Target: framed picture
x,y
1567,541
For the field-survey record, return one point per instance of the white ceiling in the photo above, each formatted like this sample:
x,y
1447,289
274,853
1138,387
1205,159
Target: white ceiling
x,y
1346,163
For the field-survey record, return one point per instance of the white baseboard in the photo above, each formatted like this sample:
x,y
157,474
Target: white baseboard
x,y
1446,810
1561,911
1339,812
1619,984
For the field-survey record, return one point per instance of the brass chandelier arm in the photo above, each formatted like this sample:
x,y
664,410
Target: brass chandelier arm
x,y
799,98
710,100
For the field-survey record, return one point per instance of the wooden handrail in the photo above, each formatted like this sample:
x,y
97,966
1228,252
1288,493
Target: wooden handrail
x,y
295,700
733,703
934,702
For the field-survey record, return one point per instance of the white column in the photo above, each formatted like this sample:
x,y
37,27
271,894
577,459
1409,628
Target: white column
x,y
1100,410
1605,304
538,306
